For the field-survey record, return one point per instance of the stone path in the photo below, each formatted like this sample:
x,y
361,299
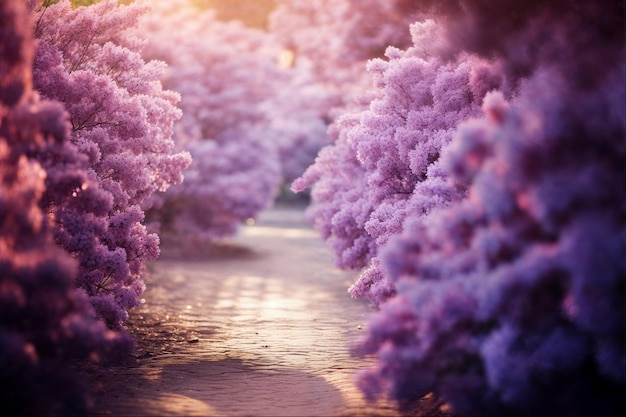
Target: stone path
x,y
258,326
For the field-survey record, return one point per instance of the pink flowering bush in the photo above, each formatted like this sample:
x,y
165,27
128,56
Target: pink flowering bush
x,y
384,164
46,323
121,123
337,37
297,121
245,133
318,31
509,301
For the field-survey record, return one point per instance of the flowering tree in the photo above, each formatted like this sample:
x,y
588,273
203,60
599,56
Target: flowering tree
x,y
297,120
384,164
337,37
235,121
45,321
510,301
121,121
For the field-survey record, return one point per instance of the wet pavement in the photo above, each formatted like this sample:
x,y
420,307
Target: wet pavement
x,y
258,325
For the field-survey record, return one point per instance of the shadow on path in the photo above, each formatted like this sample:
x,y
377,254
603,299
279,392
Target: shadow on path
x,y
224,387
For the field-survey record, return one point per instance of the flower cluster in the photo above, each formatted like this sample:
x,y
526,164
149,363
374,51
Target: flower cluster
x,y
45,321
121,141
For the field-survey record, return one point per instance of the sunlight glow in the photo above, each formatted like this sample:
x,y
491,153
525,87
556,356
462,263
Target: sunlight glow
x,y
279,232
286,58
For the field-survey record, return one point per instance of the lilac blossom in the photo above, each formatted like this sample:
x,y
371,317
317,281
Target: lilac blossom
x,y
121,123
510,301
384,164
249,123
337,37
46,323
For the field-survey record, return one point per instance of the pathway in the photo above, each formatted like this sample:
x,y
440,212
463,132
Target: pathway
x,y
258,326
